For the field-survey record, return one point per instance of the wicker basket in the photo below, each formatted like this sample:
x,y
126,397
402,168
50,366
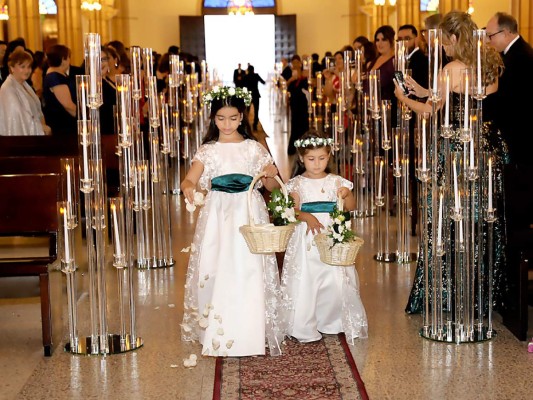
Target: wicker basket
x,y
340,254
265,238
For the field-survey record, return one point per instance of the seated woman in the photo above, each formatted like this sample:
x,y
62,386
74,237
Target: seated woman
x,y
20,108
59,106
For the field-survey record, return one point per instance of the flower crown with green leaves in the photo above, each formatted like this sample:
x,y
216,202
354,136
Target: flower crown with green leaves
x,y
314,142
221,93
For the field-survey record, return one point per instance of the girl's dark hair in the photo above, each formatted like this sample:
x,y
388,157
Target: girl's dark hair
x,y
302,151
231,101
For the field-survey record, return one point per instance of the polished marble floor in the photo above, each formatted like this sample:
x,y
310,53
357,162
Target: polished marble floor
x,y
394,362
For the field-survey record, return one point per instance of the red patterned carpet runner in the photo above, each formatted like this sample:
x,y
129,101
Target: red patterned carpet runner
x,y
322,370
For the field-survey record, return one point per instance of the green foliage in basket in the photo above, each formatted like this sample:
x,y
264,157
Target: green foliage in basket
x,y
281,209
340,230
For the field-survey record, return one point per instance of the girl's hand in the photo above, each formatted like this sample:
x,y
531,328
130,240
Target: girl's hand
x,y
270,171
188,191
343,192
313,224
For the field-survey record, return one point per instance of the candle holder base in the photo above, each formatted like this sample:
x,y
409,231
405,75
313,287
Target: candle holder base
x,y
117,345
461,336
406,258
385,257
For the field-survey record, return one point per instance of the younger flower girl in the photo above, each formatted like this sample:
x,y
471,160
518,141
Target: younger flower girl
x,y
319,298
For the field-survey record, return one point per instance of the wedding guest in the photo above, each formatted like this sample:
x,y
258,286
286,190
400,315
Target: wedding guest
x,y
3,47
238,76
58,94
12,46
457,28
251,82
109,93
514,119
20,108
297,86
417,61
38,73
286,70
359,42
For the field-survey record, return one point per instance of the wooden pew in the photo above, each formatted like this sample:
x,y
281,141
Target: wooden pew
x,y
29,190
28,208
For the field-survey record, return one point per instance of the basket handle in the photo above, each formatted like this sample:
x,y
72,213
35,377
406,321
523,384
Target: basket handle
x,y
340,203
251,189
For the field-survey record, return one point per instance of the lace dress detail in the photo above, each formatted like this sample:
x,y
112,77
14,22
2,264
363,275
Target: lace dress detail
x,y
319,298
231,295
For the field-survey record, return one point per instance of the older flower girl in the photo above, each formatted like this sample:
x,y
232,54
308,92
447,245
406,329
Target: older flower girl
x,y
231,295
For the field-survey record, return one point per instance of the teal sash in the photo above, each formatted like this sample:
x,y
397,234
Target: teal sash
x,y
231,183
318,207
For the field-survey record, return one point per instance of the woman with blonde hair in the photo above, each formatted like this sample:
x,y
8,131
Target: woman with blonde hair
x,y
459,43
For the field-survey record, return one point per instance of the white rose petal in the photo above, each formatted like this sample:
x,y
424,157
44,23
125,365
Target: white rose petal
x,y
206,312
216,344
174,365
198,198
186,328
186,249
220,331
190,207
229,343
206,277
193,357
202,285
204,323
171,305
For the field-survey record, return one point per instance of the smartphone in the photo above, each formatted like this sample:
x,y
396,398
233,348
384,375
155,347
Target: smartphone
x,y
398,78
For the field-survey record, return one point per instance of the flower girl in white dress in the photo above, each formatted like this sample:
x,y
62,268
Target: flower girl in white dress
x,y
231,295
319,298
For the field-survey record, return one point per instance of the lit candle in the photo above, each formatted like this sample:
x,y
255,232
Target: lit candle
x,y
69,188
365,110
145,177
436,65
354,133
319,85
456,187
385,134
465,122
314,108
85,158
380,178
472,152
118,250
376,93
439,231
66,235
447,105
335,124
424,165
479,66
490,183
397,151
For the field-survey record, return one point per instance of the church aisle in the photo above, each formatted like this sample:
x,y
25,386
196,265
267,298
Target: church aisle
x,y
394,362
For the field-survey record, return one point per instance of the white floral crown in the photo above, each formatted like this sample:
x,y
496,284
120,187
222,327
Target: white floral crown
x,y
220,93
314,141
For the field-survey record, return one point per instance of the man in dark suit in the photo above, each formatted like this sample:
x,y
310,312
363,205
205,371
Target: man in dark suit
x,y
515,101
417,61
238,76
251,81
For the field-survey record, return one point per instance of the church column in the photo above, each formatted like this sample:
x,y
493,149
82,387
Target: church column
x,y
522,10
445,6
24,21
408,12
69,28
359,20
